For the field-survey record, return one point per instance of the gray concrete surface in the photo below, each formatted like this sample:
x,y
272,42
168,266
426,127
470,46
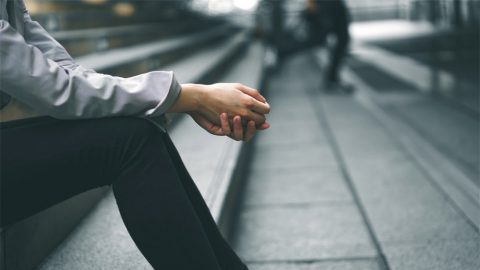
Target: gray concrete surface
x,y
355,264
338,191
298,212
425,96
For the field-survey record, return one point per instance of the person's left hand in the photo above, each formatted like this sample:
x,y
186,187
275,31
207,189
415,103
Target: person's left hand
x,y
237,130
207,125
234,130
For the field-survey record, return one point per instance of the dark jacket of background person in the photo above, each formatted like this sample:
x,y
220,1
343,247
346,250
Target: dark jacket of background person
x,y
330,16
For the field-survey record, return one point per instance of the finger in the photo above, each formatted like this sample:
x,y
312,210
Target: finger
x,y
263,126
258,118
208,126
258,106
237,128
250,131
225,124
251,92
216,130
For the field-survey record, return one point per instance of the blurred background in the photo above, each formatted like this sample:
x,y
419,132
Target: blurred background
x,y
373,157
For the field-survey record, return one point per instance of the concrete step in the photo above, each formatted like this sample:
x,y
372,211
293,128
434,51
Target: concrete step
x,y
142,58
44,6
419,216
67,15
101,241
85,41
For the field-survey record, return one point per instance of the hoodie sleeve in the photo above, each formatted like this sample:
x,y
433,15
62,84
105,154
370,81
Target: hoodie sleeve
x,y
38,71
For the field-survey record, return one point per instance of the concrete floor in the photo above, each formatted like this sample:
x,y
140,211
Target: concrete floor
x,y
331,187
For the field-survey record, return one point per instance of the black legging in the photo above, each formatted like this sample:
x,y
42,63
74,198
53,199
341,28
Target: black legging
x,y
45,161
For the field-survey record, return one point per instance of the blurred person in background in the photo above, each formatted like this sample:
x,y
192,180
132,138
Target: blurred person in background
x,y
330,18
96,130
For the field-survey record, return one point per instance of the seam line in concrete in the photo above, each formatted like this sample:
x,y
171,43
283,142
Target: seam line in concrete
x,y
365,98
342,259
299,205
324,123
466,168
383,263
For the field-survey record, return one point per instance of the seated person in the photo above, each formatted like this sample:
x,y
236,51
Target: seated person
x,y
97,131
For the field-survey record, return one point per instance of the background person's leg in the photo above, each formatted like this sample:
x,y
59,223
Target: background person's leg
x,y
49,161
337,55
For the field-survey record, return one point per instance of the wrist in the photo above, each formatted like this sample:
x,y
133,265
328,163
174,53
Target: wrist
x,y
190,98
194,95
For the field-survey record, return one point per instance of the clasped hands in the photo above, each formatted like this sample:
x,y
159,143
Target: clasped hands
x,y
224,109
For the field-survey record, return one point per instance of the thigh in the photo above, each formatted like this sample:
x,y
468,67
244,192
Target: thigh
x,y
44,161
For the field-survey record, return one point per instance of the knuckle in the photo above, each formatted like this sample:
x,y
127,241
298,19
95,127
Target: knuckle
x,y
249,103
243,112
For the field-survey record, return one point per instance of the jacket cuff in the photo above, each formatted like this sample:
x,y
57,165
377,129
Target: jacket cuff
x,y
173,93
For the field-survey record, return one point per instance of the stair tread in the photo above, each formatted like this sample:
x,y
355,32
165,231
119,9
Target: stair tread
x,y
115,57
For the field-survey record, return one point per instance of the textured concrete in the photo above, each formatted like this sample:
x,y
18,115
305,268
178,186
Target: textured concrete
x,y
460,141
302,233
417,226
292,157
308,185
122,56
438,255
102,241
401,201
456,105
300,210
297,131
327,265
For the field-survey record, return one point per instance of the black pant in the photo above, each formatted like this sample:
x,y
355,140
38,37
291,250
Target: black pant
x,y
338,53
45,161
